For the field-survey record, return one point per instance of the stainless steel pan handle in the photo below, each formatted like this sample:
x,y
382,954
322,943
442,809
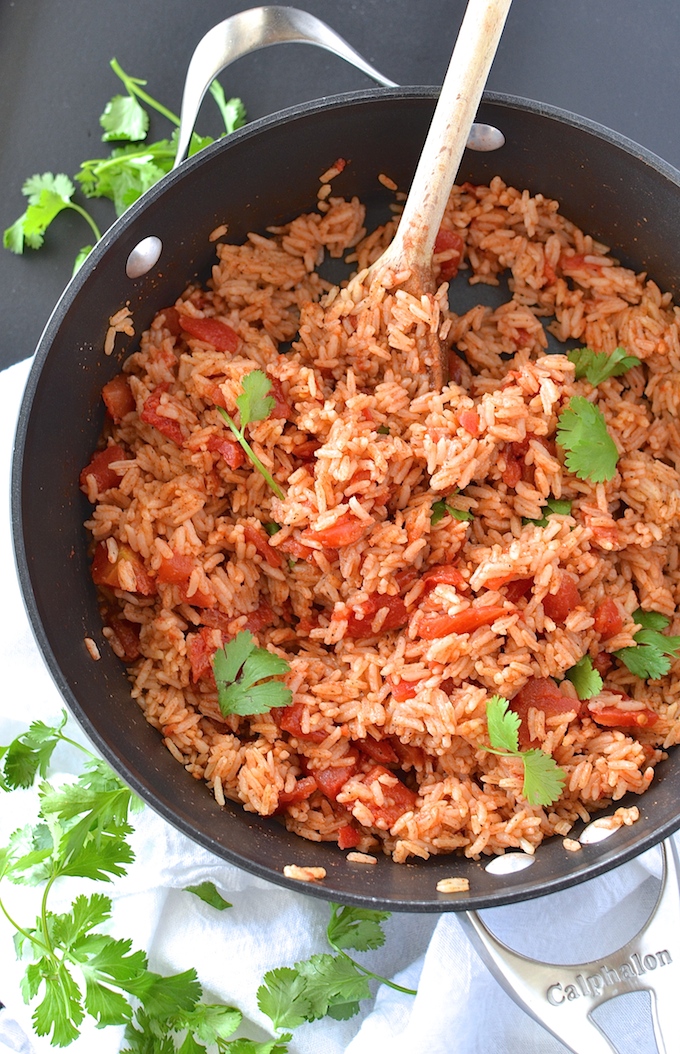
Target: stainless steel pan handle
x,y
562,998
261,27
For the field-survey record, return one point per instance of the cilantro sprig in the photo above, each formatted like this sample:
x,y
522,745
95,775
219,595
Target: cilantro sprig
x,y
553,506
124,175
209,894
543,779
598,366
442,508
255,404
327,985
591,452
244,673
584,678
654,652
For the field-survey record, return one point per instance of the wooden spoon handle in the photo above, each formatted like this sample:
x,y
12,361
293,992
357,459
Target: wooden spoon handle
x,y
439,162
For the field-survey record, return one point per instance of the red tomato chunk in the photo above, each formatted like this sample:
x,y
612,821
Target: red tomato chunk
x,y
469,420
612,717
282,409
211,331
559,605
444,575
229,450
303,789
540,693
608,619
448,242
105,573
127,635
348,836
290,719
200,650
331,781
177,570
380,750
118,398
260,540
360,627
345,531
398,798
99,467
433,626
167,426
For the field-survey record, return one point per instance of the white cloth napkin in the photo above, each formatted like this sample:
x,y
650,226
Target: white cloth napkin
x,y
459,1009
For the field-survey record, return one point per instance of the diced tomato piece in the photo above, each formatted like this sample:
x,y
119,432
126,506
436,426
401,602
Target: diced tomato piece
x,y
469,420
512,473
200,649
603,663
557,606
378,750
499,581
167,426
348,836
99,467
410,756
446,241
260,540
433,626
398,798
171,320
340,164
359,623
297,550
403,690
608,619
306,451
542,694
105,573
118,398
176,569
549,272
612,717
303,789
289,718
345,531
229,450
606,537
331,781
444,575
211,331
282,409
406,578
518,589
127,635
261,617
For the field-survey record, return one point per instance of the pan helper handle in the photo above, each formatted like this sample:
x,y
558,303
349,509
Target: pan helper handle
x,y
562,998
259,28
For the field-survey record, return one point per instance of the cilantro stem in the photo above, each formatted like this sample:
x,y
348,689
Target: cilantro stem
x,y
132,85
375,976
252,455
107,162
43,912
24,933
86,216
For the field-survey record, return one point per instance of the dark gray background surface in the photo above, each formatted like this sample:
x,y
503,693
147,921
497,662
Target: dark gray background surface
x,y
614,61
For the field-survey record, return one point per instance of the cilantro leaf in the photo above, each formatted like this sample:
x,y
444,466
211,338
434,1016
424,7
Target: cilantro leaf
x,y
651,619
30,753
555,506
503,724
653,653
207,892
442,508
254,402
233,111
60,1012
357,928
543,779
240,693
598,366
591,452
251,1046
283,998
584,678
124,118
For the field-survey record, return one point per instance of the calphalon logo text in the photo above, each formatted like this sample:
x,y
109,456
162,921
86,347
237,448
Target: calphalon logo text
x,y
595,983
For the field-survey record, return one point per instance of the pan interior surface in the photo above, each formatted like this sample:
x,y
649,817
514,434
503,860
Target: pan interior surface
x,y
262,176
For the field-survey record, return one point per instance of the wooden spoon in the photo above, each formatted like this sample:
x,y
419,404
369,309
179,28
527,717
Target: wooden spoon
x,y
413,244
